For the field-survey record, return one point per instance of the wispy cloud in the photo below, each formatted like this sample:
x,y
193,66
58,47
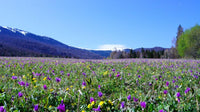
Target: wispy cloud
x,y
111,47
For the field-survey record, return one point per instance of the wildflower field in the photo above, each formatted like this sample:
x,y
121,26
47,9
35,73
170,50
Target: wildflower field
x,y
135,85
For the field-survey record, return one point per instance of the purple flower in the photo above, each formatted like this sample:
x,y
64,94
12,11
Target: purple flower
x,y
97,109
68,74
37,74
187,90
61,72
143,104
167,83
48,78
61,107
36,107
165,91
139,76
113,70
2,109
58,79
21,83
20,94
129,97
91,99
84,83
123,104
84,74
14,77
178,94
161,110
173,81
117,75
99,86
27,84
135,99
45,87
100,94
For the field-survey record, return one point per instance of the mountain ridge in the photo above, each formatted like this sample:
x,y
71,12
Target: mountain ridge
x,y
15,43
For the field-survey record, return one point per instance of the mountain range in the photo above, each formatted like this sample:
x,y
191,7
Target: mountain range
x,y
16,42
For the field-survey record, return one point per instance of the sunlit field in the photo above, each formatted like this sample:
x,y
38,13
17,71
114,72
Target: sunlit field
x,y
54,84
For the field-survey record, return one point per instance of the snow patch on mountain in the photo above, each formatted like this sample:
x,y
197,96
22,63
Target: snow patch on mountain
x,y
15,30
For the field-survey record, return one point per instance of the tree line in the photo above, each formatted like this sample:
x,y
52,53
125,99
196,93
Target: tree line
x,y
137,54
185,45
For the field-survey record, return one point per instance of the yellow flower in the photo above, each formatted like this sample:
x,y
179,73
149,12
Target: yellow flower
x,y
101,103
92,103
51,90
35,81
24,76
140,94
67,89
89,106
50,106
2,76
105,73
83,111
83,87
110,102
35,86
13,74
34,78
159,97
44,78
135,91
71,86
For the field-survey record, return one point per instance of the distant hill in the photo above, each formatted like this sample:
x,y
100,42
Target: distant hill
x,y
104,53
16,42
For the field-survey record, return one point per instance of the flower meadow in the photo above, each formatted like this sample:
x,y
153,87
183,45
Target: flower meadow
x,y
62,85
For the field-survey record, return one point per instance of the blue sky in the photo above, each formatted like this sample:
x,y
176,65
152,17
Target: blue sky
x,y
102,24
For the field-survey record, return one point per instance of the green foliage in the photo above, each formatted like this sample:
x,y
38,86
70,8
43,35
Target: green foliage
x,y
189,43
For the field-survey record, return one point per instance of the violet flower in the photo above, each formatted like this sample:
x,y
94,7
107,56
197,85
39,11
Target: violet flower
x,y
20,94
97,109
36,107
167,83
187,90
100,94
84,83
135,99
123,104
99,86
178,94
58,79
143,104
14,77
91,99
2,109
61,107
21,83
165,91
129,97
45,87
